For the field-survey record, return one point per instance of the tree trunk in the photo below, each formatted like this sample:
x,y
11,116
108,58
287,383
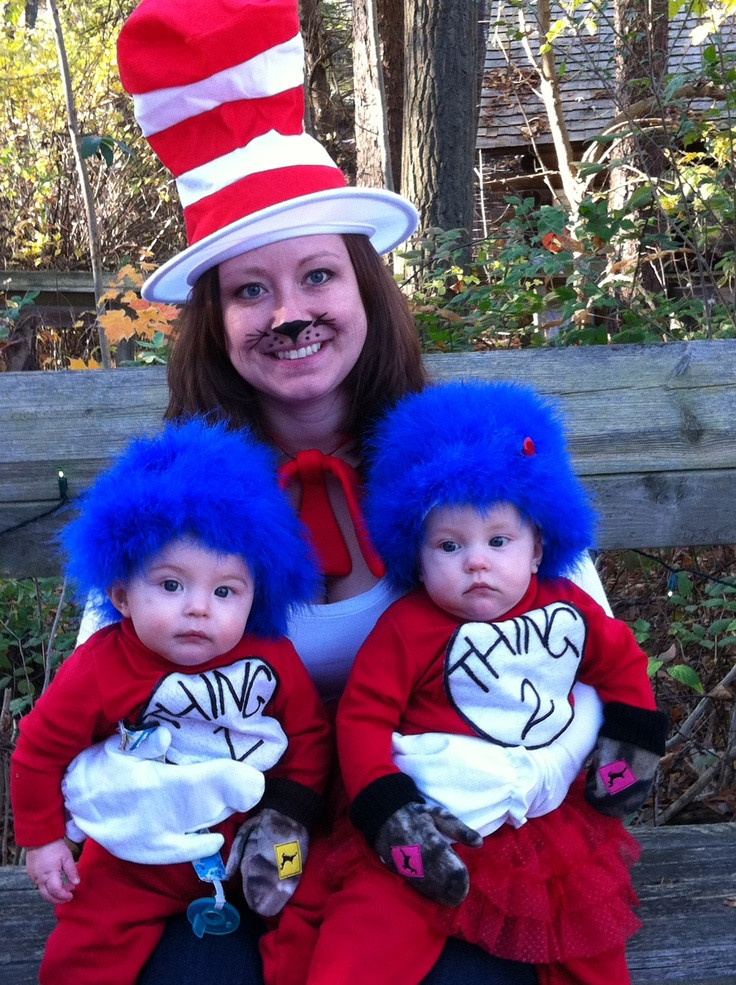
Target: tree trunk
x,y
319,108
642,43
391,34
440,111
89,205
373,156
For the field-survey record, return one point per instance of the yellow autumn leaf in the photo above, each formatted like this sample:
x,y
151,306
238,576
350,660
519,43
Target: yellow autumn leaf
x,y
117,325
137,304
129,272
147,328
452,316
81,364
168,312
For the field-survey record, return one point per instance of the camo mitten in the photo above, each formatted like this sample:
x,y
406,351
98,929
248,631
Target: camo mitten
x,y
270,849
624,761
414,842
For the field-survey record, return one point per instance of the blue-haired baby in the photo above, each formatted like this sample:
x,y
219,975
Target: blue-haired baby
x,y
201,558
461,690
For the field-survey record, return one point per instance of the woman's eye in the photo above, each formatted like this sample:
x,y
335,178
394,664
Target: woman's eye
x,y
448,546
171,585
317,277
222,592
250,291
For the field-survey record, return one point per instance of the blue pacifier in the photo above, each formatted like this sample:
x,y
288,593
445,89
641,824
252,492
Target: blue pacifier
x,y
207,915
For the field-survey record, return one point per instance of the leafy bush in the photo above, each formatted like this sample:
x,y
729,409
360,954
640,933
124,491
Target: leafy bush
x,y
29,654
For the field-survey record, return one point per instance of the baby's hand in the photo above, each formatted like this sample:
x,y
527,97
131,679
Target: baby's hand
x,y
51,867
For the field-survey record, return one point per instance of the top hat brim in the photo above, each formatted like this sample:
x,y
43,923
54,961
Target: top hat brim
x,y
384,217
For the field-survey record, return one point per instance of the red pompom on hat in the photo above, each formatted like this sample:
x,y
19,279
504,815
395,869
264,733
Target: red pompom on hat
x,y
217,87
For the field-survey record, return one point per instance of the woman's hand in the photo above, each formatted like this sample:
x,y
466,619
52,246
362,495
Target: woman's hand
x,y
52,869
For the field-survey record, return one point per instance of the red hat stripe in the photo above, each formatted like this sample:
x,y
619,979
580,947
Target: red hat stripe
x,y
268,152
228,127
254,193
268,73
194,40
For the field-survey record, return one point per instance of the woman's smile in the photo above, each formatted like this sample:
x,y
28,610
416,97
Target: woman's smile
x,y
309,350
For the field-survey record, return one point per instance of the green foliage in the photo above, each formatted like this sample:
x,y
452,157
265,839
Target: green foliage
x,y
14,306
103,148
27,611
701,623
636,257
40,201
153,353
536,283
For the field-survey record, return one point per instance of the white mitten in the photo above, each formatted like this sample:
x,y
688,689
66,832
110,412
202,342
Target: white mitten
x,y
501,785
144,810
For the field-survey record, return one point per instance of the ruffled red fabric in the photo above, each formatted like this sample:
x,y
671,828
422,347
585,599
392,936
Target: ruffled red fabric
x,y
559,887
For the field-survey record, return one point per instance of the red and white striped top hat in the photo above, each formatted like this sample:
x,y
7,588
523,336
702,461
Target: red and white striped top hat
x,y
217,87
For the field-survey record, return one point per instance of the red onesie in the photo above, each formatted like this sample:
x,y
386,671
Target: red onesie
x,y
555,892
256,703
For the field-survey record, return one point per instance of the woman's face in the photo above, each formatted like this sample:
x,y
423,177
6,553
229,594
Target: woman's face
x,y
294,320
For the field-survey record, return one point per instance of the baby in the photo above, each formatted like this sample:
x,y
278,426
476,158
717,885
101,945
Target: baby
x,y
190,540
474,507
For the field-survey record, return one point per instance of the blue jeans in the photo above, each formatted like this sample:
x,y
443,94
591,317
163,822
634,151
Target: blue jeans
x,y
183,959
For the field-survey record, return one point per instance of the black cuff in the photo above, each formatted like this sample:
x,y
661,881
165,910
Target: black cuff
x,y
293,799
375,803
639,726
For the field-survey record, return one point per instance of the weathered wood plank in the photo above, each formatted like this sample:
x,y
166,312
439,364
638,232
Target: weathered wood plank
x,y
651,432
648,510
26,922
685,879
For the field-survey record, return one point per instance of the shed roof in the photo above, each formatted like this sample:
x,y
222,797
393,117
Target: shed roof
x,y
511,113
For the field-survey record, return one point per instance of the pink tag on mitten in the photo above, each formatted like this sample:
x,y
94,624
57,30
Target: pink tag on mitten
x,y
408,861
616,776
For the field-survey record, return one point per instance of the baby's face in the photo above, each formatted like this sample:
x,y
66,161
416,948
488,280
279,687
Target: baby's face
x,y
478,565
188,604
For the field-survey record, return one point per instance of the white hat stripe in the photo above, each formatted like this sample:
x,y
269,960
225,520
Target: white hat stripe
x,y
270,152
276,70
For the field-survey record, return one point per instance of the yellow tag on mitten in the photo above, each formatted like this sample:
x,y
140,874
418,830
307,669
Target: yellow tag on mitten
x,y
288,859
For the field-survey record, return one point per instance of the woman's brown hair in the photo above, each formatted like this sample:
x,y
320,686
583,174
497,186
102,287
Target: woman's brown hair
x,y
202,378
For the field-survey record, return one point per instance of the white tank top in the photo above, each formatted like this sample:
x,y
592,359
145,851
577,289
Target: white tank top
x,y
327,637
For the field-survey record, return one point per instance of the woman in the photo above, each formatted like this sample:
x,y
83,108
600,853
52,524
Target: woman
x,y
293,325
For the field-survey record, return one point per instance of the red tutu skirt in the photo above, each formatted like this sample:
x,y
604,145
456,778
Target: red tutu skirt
x,y
558,887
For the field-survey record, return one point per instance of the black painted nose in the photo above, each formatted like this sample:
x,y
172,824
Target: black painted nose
x,y
292,329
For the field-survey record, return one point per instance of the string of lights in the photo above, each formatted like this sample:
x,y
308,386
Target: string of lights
x,y
63,500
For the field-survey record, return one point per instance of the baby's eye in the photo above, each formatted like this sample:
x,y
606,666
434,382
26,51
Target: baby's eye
x,y
250,291
498,541
171,585
448,546
223,591
317,277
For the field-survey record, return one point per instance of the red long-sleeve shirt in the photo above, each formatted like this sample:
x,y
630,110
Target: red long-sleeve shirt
x,y
420,670
256,704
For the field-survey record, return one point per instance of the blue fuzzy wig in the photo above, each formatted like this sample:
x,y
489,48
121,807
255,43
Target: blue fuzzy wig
x,y
200,480
473,444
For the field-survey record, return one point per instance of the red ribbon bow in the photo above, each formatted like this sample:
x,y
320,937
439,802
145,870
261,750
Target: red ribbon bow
x,y
311,468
